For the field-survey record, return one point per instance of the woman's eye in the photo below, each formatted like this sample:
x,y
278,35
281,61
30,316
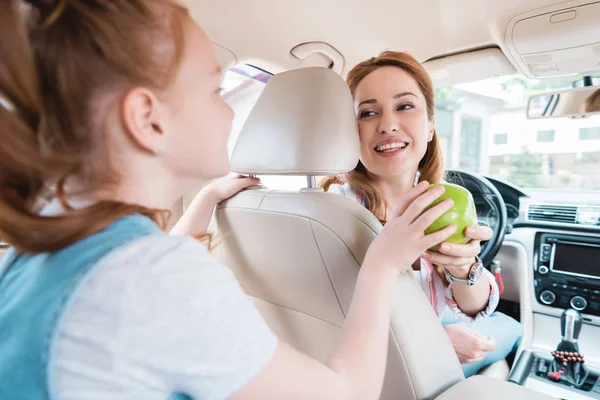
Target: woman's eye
x,y
366,114
406,106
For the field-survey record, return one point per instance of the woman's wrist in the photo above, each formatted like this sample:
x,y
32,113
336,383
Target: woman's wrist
x,y
461,272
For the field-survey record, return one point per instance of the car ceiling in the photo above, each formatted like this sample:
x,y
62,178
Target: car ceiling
x,y
263,32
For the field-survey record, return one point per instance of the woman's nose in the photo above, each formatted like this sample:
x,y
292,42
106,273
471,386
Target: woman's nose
x,y
388,124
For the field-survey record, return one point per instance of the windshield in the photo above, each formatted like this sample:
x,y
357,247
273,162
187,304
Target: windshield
x,y
483,128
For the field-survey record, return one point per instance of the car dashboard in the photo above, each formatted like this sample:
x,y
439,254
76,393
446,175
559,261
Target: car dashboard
x,y
554,240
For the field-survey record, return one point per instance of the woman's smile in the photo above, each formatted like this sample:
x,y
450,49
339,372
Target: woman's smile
x,y
390,147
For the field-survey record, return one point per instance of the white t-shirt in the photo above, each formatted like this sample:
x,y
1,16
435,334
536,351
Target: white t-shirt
x,y
157,316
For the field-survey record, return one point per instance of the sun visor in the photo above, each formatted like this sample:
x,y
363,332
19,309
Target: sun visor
x,y
468,67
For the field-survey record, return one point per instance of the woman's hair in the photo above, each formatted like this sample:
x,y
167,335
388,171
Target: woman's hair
x,y
431,167
592,103
60,60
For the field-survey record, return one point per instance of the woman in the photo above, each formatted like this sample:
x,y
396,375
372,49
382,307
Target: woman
x,y
592,103
394,100
116,105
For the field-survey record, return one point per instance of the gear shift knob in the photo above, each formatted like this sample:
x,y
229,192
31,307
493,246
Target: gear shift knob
x,y
570,325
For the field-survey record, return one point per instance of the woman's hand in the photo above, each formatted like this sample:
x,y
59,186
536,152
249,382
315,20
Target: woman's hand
x,y
469,345
458,258
403,238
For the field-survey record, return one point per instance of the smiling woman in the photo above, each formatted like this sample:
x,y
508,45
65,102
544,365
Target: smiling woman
x,y
394,103
416,102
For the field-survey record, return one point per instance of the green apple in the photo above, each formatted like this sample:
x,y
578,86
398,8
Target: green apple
x,y
462,214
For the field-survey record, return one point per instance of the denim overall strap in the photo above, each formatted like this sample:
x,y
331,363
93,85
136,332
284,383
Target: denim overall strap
x,y
36,291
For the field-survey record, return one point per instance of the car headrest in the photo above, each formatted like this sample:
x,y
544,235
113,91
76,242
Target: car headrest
x,y
303,123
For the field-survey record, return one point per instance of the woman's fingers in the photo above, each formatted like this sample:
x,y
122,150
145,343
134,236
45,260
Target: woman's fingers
x,y
447,261
469,250
479,232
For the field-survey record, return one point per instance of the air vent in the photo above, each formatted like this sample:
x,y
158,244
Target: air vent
x,y
550,213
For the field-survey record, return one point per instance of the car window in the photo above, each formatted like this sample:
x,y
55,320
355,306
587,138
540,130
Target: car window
x,y
242,85
483,128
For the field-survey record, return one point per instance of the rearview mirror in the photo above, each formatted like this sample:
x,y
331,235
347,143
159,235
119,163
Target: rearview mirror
x,y
572,103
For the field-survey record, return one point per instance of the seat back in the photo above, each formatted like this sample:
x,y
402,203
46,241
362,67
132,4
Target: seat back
x,y
298,253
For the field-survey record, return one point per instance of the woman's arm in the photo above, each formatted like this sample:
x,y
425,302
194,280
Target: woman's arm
x,y
471,300
458,259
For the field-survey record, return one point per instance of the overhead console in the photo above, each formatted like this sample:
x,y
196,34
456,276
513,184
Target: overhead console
x,y
555,41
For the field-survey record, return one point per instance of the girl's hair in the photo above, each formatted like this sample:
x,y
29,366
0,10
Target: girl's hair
x,y
431,167
60,60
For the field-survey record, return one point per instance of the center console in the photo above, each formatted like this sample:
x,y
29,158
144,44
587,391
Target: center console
x,y
563,372
567,272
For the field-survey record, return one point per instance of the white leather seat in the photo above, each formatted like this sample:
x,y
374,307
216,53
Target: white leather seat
x,y
298,253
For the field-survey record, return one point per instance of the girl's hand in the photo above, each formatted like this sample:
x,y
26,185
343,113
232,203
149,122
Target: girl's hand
x,y
226,187
403,238
197,216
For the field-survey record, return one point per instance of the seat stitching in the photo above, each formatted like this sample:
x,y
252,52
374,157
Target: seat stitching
x,y
310,222
293,309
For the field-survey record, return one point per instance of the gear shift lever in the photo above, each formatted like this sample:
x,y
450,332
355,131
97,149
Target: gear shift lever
x,y
568,364
570,325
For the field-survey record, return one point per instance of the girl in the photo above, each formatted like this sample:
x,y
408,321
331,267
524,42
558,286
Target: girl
x,y
116,105
394,100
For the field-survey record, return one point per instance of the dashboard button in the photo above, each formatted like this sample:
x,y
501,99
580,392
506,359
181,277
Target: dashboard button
x,y
578,303
542,269
547,297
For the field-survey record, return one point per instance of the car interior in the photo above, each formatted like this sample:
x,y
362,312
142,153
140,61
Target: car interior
x,y
513,83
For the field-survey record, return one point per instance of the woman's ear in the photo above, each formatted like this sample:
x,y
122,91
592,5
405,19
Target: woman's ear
x,y
430,130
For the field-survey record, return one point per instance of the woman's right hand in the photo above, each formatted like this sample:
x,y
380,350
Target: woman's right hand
x,y
469,345
403,238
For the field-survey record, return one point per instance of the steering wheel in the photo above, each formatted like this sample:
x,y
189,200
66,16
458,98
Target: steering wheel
x,y
484,191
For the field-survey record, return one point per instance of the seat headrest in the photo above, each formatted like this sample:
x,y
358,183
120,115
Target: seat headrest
x,y
303,123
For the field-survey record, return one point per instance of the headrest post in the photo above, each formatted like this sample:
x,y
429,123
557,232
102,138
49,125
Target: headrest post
x,y
311,182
